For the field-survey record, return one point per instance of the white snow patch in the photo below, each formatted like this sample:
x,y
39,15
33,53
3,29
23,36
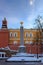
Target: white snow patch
x,y
23,59
21,46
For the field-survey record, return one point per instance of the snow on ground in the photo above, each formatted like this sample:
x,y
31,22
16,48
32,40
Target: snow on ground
x,y
24,54
23,59
41,59
22,46
26,57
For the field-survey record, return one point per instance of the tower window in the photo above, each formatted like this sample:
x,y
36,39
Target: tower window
x,y
2,55
11,34
31,34
15,34
26,34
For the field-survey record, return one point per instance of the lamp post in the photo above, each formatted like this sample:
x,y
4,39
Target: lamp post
x,y
37,46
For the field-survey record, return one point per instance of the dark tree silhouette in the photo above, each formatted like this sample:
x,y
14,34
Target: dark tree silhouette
x,y
39,29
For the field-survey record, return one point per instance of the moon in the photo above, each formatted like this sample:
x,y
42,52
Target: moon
x,y
31,2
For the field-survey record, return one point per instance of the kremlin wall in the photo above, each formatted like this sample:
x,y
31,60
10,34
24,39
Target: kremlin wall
x,y
11,38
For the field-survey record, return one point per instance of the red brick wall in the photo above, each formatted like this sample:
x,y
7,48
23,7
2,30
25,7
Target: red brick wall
x,y
4,38
32,49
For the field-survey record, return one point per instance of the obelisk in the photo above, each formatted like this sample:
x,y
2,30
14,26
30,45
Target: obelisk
x,y
21,34
22,48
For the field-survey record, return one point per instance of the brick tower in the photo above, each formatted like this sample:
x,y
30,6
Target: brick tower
x,y
4,34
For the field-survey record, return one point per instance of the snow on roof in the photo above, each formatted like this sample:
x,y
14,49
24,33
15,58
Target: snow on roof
x,y
2,48
7,48
2,52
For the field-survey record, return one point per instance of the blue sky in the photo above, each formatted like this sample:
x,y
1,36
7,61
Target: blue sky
x,y
16,11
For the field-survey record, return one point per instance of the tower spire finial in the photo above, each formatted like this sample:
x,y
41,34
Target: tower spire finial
x,y
4,18
4,23
21,23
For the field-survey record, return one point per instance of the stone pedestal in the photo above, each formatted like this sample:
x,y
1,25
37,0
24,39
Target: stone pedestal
x,y
22,49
